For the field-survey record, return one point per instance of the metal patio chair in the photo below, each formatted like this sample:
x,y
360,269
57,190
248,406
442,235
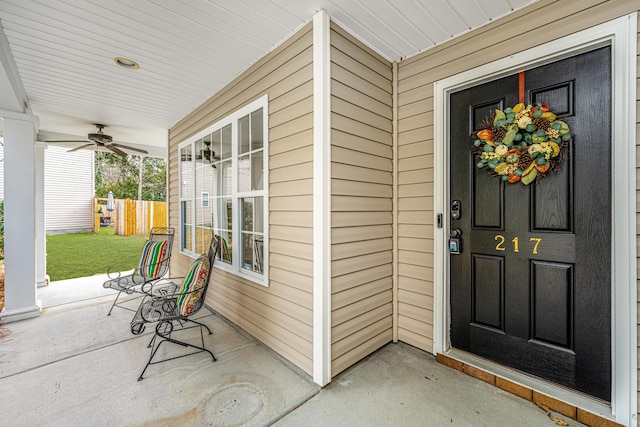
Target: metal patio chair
x,y
173,312
153,265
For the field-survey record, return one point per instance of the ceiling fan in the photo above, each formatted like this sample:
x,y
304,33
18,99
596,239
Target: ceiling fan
x,y
101,140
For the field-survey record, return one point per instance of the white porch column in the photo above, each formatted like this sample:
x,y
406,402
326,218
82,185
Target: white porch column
x,y
20,218
41,234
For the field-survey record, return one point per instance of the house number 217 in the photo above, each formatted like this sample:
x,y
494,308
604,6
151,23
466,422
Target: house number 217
x,y
516,248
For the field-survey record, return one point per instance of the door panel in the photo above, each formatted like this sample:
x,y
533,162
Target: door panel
x,y
560,95
488,288
489,209
552,202
531,288
552,303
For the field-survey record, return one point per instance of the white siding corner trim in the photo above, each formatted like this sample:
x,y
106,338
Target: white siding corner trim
x,y
321,199
396,299
621,34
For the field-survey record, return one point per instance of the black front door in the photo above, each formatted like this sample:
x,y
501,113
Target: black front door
x,y
531,288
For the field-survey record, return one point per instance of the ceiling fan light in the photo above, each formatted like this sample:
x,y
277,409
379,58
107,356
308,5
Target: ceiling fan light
x,y
127,63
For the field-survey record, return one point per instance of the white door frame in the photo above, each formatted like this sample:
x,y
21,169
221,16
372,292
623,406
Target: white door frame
x,y
621,35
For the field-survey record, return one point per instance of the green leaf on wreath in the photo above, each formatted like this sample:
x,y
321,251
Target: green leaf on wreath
x,y
510,136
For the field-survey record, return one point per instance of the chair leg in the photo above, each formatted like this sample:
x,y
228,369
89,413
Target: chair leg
x,y
167,338
153,353
202,340
153,340
184,344
202,325
114,303
127,291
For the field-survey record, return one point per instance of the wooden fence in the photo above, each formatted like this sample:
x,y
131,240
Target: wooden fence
x,y
130,217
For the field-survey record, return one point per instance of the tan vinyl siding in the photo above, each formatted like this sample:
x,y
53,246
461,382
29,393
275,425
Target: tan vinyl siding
x,y
361,202
543,22
279,315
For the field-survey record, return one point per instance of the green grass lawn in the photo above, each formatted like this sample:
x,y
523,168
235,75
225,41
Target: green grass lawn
x,y
86,254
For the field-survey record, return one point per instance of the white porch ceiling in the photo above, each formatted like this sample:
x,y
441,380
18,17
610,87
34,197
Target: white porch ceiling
x,y
187,50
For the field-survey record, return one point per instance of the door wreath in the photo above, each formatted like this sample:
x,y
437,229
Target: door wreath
x,y
522,143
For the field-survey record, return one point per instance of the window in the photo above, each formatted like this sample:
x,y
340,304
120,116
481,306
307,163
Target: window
x,y
223,191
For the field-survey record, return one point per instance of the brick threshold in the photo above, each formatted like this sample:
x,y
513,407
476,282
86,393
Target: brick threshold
x,y
539,399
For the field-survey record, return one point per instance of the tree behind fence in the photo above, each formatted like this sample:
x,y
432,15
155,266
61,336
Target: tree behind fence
x,y
131,217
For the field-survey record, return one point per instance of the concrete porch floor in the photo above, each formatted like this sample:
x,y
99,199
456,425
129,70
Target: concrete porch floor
x,y
75,366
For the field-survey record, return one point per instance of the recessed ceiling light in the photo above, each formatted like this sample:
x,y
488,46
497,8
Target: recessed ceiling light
x,y
127,63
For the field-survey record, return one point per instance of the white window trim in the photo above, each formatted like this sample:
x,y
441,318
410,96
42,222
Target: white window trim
x,y
236,196
621,35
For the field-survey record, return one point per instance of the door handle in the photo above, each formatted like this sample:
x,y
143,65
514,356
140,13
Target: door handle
x,y
456,209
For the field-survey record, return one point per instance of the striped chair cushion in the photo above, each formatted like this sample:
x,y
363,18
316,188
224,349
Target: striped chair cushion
x,y
193,286
153,253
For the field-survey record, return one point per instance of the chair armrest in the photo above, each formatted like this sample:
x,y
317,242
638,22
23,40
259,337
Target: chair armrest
x,y
169,281
161,287
112,273
139,319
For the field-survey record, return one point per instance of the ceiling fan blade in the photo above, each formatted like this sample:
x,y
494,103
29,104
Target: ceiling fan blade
x,y
80,147
116,150
66,140
128,148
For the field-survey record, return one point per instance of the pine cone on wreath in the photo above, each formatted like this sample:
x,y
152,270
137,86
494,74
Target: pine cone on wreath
x,y
541,123
487,122
498,133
